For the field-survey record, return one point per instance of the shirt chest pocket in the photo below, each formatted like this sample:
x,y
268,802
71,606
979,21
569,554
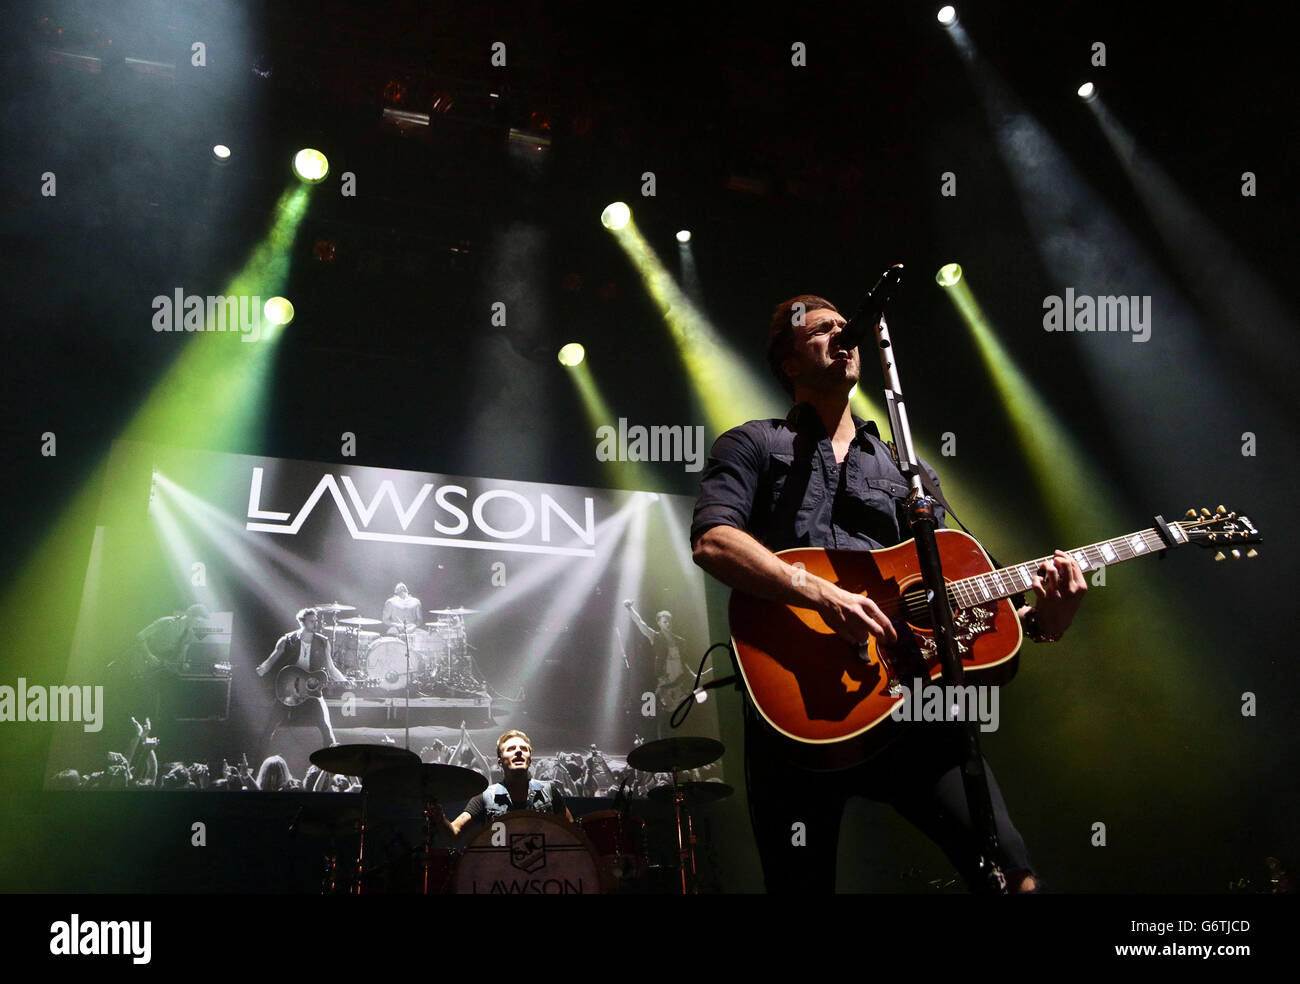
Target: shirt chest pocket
x,y
878,504
787,482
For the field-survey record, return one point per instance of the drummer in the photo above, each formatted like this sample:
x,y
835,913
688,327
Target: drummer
x,y
403,608
518,792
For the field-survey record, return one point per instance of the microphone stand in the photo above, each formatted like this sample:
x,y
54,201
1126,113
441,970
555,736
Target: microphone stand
x,y
921,519
406,638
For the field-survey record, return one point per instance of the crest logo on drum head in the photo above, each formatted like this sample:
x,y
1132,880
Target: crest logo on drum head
x,y
528,851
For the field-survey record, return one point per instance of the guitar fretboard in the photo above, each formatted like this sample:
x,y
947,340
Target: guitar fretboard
x,y
1004,583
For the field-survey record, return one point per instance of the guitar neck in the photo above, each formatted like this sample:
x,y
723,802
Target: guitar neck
x,y
1000,584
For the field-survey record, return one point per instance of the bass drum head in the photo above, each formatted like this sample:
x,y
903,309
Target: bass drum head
x,y
386,663
527,853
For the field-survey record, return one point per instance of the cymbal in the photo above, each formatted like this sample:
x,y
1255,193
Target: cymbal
x,y
428,781
335,607
360,620
668,754
693,793
362,760
452,611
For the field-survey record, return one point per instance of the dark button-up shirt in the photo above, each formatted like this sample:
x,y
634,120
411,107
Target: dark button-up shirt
x,y
779,481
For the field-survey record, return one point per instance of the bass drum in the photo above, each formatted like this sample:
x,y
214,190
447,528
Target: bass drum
x,y
526,853
386,663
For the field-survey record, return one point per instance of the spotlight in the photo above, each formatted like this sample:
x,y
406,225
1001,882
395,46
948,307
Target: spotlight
x,y
278,311
947,16
221,154
948,275
615,216
1087,92
310,165
573,353
684,236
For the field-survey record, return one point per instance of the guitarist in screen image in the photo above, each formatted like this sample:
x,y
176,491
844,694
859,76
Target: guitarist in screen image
x,y
302,666
822,478
146,673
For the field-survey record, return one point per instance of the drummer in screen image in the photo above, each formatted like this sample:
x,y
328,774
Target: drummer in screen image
x,y
518,792
402,610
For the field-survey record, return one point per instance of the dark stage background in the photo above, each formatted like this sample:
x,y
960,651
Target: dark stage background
x,y
792,178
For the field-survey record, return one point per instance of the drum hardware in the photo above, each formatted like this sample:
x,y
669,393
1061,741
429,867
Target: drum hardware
x,y
694,794
619,839
367,762
331,824
675,755
429,783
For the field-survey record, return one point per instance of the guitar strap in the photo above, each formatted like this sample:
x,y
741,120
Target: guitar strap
x,y
1018,599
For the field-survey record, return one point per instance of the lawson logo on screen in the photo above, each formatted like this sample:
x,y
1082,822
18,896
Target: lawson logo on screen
x,y
487,519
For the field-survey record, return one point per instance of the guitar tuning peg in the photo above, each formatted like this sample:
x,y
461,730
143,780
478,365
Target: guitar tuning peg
x,y
1236,555
1218,556
1221,511
1252,553
1191,514
1205,513
1214,536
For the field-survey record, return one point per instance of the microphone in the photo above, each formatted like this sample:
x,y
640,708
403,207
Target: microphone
x,y
872,308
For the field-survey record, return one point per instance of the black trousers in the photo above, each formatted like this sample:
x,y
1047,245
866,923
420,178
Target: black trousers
x,y
918,775
310,711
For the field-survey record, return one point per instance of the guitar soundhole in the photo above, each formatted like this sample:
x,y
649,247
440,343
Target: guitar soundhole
x,y
913,607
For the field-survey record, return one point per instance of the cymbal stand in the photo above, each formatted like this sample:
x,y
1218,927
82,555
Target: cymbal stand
x,y
361,848
406,641
329,884
685,839
430,805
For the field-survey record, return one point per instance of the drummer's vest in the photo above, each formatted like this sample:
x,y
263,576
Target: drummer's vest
x,y
496,798
292,650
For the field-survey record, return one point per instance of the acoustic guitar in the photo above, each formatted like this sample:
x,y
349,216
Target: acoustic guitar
x,y
293,685
833,700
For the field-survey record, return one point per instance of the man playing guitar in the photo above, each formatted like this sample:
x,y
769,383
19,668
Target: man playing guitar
x,y
309,651
673,679
822,478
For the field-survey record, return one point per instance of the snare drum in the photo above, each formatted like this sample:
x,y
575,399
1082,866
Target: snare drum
x,y
526,853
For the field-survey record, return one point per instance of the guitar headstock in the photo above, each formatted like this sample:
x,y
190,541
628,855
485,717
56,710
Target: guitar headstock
x,y
1226,531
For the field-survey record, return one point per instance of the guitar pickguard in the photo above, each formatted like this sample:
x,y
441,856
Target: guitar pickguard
x,y
968,625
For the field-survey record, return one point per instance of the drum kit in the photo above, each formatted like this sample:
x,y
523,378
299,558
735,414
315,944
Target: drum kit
x,y
432,660
521,852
